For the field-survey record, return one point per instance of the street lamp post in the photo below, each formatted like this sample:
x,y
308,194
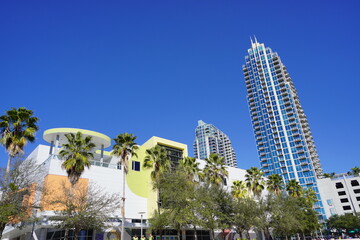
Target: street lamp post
x,y
141,226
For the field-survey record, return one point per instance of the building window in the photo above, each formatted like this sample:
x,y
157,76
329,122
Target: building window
x,y
332,211
358,198
339,185
329,202
174,154
135,166
343,200
357,190
347,207
354,183
342,193
138,220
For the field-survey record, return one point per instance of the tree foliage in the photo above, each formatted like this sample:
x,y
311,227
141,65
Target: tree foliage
x,y
18,197
83,207
76,154
346,222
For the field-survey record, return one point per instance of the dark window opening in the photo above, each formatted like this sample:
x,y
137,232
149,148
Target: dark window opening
x,y
354,183
342,193
356,190
347,207
138,220
339,185
343,200
135,166
358,198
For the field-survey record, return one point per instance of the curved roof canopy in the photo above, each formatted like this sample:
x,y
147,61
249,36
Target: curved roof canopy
x,y
97,138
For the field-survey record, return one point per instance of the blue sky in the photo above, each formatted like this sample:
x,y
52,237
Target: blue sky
x,y
156,67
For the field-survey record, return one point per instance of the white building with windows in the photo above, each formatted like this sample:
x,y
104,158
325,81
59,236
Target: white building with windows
x,y
340,194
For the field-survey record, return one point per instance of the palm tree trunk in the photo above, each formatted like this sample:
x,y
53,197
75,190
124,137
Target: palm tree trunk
x,y
123,206
7,170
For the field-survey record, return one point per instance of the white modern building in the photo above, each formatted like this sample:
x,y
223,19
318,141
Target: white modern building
x,y
340,194
209,139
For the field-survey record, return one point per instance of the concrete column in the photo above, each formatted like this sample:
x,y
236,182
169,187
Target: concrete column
x,y
102,155
56,144
51,147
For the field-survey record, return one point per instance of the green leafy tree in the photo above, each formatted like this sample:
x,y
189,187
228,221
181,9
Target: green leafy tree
x,y
294,189
244,216
84,207
275,184
16,202
158,222
214,207
344,223
177,196
265,214
215,169
76,154
254,181
355,171
239,189
124,148
17,127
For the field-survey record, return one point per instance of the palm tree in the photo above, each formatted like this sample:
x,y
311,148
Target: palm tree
x,y
124,148
76,154
215,170
275,184
157,159
310,197
254,181
355,171
329,175
17,127
294,189
239,189
190,167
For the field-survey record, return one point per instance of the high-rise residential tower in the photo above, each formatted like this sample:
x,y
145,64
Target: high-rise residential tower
x,y
209,139
284,141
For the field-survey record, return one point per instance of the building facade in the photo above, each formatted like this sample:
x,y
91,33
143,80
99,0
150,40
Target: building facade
x,y
283,138
105,173
340,194
209,139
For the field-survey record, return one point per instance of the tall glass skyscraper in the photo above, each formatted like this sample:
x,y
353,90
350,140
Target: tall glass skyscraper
x,y
209,139
284,142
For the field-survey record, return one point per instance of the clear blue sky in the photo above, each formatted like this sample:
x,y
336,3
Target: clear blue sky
x,y
156,67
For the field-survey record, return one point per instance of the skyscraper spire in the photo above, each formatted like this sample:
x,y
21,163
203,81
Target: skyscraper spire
x,y
251,41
